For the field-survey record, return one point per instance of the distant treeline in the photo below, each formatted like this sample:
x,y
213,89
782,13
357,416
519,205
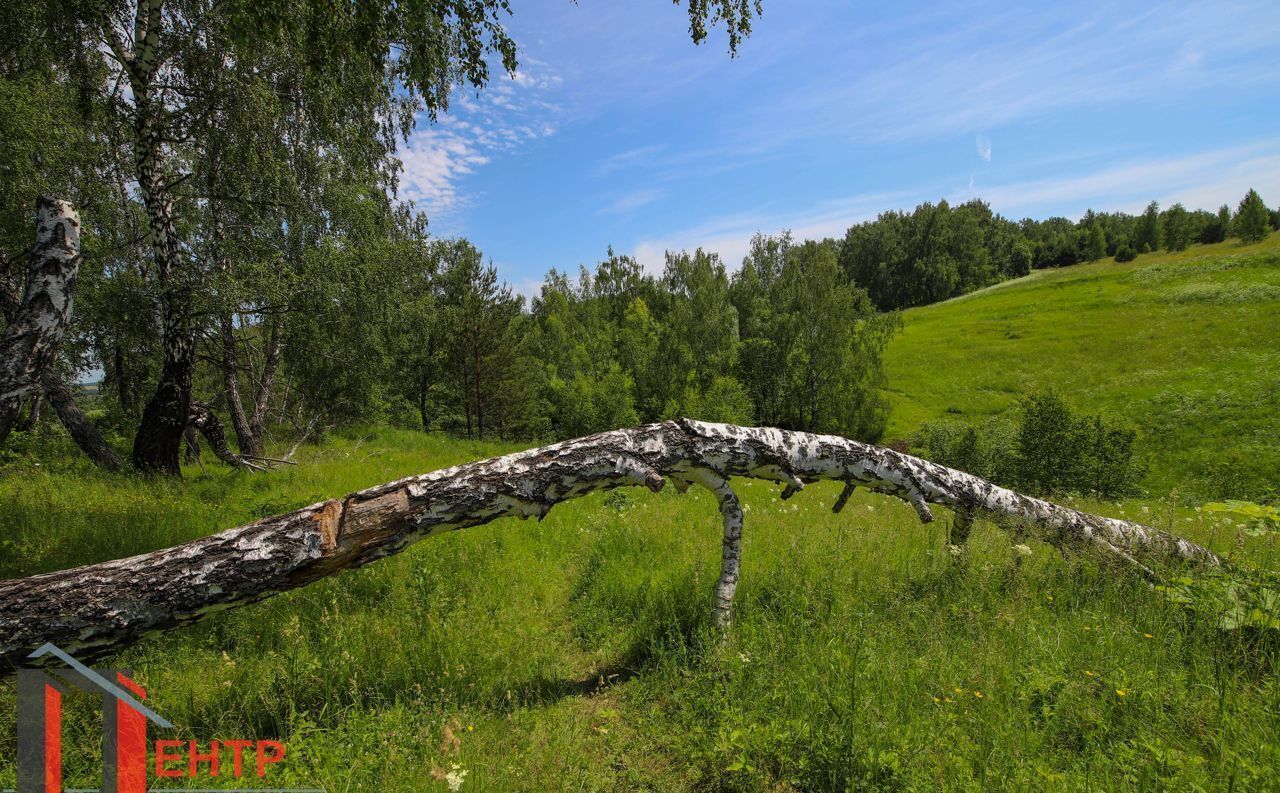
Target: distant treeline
x,y
938,251
793,338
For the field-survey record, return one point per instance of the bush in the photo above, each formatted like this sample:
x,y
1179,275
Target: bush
x,y
1049,448
986,450
1126,253
1060,450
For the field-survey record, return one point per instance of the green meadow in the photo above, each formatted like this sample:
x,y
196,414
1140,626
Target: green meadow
x,y
1183,346
577,653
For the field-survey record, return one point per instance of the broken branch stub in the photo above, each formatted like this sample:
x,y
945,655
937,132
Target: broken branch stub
x,y
98,609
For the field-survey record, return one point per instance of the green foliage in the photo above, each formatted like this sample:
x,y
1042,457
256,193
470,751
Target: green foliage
x,y
1261,519
1253,219
725,400
1050,448
1178,227
931,254
820,376
1126,253
1243,601
1021,258
1097,246
988,450
587,405
1059,450
1150,232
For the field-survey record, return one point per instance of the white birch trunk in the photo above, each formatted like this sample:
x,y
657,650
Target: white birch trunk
x,y
31,339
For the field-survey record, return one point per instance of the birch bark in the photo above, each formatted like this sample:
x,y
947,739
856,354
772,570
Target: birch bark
x,y
98,609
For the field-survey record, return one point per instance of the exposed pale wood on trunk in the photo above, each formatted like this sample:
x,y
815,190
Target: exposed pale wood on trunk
x,y
98,609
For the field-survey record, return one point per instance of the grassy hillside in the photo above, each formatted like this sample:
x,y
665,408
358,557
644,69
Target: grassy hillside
x,y
1184,346
576,653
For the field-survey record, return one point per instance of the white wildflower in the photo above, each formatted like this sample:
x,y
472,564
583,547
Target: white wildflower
x,y
456,776
744,658
955,550
1022,550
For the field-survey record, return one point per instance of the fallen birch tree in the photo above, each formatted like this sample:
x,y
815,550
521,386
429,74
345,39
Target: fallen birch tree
x,y
99,609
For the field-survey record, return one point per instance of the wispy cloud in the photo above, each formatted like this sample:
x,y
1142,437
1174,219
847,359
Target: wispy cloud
x,y
981,66
628,159
629,202
984,147
1202,180
477,129
730,235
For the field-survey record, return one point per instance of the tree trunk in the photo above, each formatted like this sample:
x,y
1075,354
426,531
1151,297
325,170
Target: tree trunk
x,y
206,421
231,379
262,399
32,418
424,387
31,339
158,443
124,393
96,610
78,425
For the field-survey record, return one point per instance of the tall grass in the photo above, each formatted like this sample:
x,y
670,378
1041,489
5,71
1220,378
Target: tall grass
x,y
577,653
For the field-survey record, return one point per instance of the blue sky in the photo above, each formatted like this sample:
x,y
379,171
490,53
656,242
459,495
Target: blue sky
x,y
618,131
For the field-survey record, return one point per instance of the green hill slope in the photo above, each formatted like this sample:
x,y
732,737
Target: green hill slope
x,y
1184,346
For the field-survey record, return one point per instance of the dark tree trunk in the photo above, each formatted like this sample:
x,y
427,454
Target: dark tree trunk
x,y
207,422
424,387
124,389
82,431
158,443
231,379
30,342
99,609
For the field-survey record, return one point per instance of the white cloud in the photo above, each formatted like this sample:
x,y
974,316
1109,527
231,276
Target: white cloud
x,y
974,68
627,159
477,129
984,147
